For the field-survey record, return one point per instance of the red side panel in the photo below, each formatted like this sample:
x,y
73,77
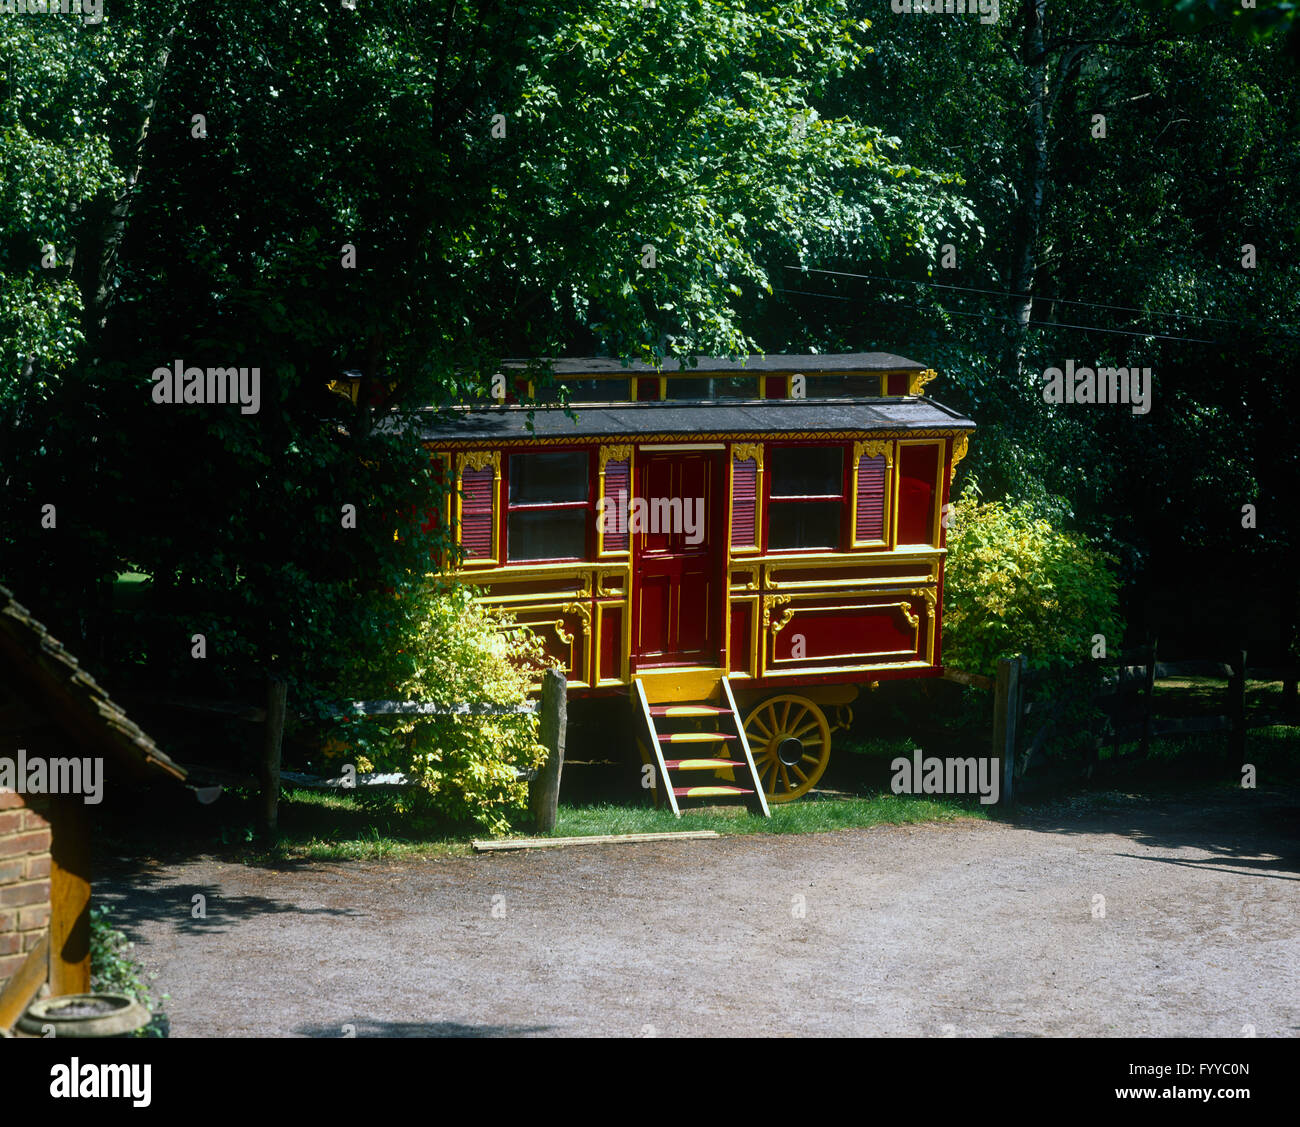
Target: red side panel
x,y
918,469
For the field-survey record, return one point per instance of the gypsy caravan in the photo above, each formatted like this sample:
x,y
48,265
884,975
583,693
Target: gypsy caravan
x,y
738,546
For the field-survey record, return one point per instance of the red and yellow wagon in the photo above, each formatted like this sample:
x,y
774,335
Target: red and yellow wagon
x,y
738,546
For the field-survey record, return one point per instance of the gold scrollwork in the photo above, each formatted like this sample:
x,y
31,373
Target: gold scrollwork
x,y
614,454
912,620
744,451
771,603
478,460
920,379
874,449
582,611
960,447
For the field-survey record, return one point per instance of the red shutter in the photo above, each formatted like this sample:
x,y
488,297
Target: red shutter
x,y
871,499
476,512
744,502
618,480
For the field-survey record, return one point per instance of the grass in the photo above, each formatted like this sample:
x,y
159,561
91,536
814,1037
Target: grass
x,y
318,826
809,815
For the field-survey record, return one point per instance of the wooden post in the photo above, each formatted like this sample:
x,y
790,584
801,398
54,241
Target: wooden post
x,y
1005,721
269,768
544,793
1147,702
1237,707
69,949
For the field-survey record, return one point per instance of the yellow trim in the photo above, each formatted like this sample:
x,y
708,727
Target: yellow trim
x,y
480,460
873,449
451,443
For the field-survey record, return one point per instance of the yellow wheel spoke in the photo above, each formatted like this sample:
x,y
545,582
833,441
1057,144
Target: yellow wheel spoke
x,y
802,777
812,726
785,777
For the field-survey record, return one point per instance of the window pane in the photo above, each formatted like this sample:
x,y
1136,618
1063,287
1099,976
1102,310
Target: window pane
x,y
689,387
842,387
735,387
587,391
540,479
804,524
551,534
804,471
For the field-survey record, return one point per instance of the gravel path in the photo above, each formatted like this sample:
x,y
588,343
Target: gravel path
x,y
948,930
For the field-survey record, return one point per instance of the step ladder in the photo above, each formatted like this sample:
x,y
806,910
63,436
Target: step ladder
x,y
688,738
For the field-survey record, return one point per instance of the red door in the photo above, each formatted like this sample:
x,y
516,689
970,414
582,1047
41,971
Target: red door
x,y
677,559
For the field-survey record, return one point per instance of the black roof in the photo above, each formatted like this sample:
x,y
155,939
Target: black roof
x,y
643,421
833,362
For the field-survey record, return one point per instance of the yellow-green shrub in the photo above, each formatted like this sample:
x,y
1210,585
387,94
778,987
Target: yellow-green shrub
x,y
453,651
1015,584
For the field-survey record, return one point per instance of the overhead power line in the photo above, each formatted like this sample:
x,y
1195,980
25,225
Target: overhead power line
x,y
1012,294
1010,320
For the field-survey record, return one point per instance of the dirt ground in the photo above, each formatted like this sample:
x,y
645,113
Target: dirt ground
x,y
961,929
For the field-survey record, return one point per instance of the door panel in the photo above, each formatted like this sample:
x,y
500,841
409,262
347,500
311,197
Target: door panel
x,y
678,612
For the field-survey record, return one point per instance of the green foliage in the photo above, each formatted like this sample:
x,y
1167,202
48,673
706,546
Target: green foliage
x,y
453,651
113,969
1015,584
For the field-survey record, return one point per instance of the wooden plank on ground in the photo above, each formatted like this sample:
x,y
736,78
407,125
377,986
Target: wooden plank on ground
x,y
25,984
595,839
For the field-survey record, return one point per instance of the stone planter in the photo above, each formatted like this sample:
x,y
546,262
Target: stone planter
x,y
84,1015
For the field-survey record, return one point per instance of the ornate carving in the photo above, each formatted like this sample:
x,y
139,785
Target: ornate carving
x,y
770,603
919,380
614,454
874,449
959,448
912,620
479,460
582,611
565,637
744,451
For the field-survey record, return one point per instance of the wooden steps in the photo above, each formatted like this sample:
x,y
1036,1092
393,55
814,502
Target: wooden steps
x,y
709,722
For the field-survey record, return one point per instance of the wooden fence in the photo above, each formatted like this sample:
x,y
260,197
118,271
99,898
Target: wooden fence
x,y
544,783
1127,699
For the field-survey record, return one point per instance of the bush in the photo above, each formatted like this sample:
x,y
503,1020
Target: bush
x,y
454,651
1015,584
113,969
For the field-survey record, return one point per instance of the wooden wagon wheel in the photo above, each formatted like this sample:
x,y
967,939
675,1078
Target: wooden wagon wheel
x,y
791,744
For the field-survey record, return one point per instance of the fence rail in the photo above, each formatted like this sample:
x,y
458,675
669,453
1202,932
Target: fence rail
x,y
1128,702
544,782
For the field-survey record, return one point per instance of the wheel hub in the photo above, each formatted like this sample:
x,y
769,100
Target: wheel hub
x,y
790,751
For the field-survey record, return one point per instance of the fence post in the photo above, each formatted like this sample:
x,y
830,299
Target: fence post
x,y
269,767
1005,720
1237,706
1147,699
544,793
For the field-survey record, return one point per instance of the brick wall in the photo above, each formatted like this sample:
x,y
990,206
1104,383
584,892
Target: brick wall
x,y
24,879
